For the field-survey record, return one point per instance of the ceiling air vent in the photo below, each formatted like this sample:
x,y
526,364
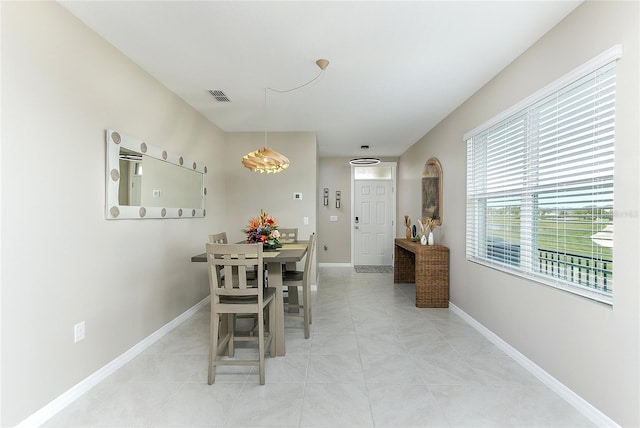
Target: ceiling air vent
x,y
220,96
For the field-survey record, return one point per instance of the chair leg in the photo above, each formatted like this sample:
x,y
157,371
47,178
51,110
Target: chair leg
x,y
261,344
255,324
213,345
305,310
293,299
309,304
272,327
231,320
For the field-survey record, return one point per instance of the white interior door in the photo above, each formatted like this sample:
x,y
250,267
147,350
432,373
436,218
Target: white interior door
x,y
373,222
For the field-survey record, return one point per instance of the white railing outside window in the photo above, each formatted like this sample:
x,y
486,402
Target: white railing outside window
x,y
540,184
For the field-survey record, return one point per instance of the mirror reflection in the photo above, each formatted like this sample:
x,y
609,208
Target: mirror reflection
x,y
149,182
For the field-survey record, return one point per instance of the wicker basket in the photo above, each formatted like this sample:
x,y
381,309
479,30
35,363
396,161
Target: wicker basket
x,y
428,267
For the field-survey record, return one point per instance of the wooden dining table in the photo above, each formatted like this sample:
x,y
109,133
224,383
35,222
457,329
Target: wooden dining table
x,y
290,252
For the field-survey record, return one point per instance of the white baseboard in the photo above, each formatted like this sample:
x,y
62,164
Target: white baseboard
x,y
68,397
583,406
335,264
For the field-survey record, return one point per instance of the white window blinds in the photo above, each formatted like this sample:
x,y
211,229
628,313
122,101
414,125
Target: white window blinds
x,y
540,188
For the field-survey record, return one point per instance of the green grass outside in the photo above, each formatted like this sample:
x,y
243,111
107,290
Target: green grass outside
x,y
571,235
564,235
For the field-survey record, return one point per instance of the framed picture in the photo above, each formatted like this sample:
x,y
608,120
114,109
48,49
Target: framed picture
x,y
432,190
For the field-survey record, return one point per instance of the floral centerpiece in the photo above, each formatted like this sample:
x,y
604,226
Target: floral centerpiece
x,y
263,229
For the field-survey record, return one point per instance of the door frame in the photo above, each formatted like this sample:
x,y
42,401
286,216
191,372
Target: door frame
x,y
394,186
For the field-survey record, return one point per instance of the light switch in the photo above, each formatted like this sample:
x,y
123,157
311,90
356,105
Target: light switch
x,y
156,193
305,220
297,196
333,218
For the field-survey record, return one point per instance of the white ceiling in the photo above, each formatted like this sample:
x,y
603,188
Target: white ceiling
x,y
396,68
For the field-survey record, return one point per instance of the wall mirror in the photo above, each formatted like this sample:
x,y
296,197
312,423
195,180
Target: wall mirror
x,y
432,190
144,181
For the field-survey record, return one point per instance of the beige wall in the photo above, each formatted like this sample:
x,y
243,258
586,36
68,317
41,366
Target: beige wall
x,y
590,347
335,174
62,262
248,192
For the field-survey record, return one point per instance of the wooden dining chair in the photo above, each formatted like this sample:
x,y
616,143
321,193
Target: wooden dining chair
x,y
300,279
221,238
233,296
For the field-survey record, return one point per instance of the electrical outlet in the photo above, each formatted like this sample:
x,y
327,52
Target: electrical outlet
x,y
78,332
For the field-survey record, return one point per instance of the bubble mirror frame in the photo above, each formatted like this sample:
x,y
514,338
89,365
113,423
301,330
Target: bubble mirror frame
x,y
118,144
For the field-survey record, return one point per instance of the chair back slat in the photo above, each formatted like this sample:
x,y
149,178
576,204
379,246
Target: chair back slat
x,y
234,260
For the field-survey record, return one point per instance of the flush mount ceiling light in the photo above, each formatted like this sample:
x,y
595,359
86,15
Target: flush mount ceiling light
x,y
364,161
266,159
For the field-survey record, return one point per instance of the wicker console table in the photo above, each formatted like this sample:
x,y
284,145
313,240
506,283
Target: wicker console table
x,y
428,267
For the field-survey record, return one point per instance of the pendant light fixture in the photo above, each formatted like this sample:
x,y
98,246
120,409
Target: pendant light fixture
x,y
364,161
266,159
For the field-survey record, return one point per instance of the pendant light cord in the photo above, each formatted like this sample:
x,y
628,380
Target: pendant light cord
x,y
267,160
265,117
283,91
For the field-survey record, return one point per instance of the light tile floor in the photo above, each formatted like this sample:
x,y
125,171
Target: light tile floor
x,y
373,360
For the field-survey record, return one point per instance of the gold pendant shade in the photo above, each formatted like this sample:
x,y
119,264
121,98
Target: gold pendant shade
x,y
265,160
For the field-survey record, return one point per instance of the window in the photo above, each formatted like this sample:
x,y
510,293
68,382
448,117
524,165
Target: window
x,y
540,184
373,173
